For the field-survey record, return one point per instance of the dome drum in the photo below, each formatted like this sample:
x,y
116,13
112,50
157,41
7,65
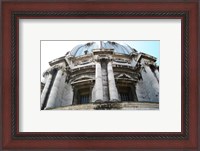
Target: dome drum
x,y
112,73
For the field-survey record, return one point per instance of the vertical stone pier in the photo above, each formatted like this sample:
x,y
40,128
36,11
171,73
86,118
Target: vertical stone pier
x,y
98,83
112,86
46,87
54,91
105,80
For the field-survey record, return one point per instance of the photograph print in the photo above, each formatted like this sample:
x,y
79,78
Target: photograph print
x,y
100,75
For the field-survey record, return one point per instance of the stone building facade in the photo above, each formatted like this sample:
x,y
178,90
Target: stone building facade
x,y
95,73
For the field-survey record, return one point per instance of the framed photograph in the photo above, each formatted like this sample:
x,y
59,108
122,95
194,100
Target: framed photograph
x,y
100,75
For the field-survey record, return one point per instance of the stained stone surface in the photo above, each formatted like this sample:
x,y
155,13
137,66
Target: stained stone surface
x,y
67,96
116,106
147,88
105,81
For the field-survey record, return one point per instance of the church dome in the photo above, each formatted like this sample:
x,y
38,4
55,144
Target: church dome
x,y
101,75
87,48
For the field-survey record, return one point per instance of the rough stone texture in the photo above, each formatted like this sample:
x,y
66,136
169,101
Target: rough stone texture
x,y
98,83
147,89
105,81
61,90
141,91
93,94
114,106
112,86
67,97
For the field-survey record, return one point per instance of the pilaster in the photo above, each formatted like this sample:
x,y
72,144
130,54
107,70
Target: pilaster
x,y
54,91
98,83
111,82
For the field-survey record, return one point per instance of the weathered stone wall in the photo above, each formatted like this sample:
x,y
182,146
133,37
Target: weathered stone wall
x,y
147,88
67,97
60,91
141,91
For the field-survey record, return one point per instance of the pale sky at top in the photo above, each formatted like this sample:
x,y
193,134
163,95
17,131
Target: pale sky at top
x,y
51,50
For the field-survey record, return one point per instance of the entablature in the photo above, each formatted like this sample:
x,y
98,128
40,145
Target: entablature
x,y
57,61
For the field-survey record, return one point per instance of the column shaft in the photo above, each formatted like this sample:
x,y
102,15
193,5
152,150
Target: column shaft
x,y
46,87
54,91
152,85
152,78
112,86
98,83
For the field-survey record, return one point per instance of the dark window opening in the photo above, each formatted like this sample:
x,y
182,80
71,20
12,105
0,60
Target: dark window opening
x,y
124,96
84,99
83,96
127,93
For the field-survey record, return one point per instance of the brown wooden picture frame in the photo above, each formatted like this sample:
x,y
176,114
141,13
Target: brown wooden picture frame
x,y
187,11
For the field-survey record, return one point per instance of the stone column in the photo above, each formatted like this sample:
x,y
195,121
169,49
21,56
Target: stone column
x,y
111,82
98,83
54,91
46,87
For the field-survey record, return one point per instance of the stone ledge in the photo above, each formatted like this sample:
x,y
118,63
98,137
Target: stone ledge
x,y
113,106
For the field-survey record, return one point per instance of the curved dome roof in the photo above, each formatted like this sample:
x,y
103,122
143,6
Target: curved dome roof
x,y
87,48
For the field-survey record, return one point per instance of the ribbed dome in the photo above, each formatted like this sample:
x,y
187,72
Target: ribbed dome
x,y
87,48
81,49
118,48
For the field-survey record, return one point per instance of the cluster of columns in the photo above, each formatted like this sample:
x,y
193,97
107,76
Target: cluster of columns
x,y
113,93
53,82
